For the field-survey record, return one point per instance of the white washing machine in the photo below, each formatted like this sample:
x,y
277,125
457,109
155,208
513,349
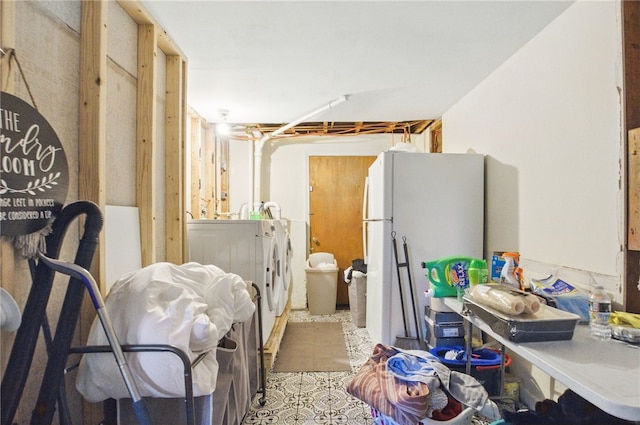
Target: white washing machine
x,y
284,263
247,248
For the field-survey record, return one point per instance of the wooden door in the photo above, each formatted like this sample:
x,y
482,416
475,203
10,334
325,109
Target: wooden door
x,y
336,185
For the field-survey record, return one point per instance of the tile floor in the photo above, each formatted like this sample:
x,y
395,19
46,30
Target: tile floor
x,y
309,398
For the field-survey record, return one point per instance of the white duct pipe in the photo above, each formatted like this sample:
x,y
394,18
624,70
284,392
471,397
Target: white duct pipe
x,y
257,174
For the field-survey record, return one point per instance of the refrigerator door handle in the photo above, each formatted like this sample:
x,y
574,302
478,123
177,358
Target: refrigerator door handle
x,y
365,199
365,202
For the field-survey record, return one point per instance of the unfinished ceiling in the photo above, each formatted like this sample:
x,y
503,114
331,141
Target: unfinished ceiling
x,y
249,131
398,62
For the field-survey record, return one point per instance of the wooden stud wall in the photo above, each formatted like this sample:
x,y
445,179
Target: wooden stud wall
x,y
145,135
7,41
208,180
194,149
93,87
93,116
436,137
634,189
631,52
174,160
223,174
208,175
152,37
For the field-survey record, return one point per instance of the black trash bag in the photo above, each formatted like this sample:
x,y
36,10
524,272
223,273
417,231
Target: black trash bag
x,y
357,265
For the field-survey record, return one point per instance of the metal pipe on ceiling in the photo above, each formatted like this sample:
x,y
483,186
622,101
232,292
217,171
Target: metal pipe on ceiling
x,y
257,177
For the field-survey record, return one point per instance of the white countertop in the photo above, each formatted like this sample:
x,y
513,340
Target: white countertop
x,y
606,373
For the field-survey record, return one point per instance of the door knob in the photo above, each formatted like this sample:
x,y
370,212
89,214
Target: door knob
x,y
315,240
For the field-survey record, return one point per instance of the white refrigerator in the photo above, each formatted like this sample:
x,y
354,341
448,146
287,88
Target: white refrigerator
x,y
436,202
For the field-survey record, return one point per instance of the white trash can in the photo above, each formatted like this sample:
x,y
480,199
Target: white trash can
x,y
358,298
322,283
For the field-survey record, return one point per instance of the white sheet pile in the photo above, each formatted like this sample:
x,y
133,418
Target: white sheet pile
x,y
191,306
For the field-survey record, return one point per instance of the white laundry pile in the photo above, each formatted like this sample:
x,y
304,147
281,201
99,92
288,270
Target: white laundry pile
x,y
191,306
326,266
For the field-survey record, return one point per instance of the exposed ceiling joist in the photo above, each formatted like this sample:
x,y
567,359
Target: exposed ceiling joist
x,y
326,128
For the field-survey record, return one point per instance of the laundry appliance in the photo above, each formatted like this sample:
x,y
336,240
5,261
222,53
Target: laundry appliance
x,y
282,233
436,202
247,248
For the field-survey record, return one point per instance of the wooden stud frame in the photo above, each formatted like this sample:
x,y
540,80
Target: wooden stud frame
x,y
208,180
634,189
92,122
145,143
631,39
7,41
93,115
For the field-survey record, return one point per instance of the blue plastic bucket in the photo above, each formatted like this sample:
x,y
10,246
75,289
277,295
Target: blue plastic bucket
x,y
485,365
480,357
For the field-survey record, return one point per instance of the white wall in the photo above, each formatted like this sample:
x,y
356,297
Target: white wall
x,y
240,173
549,121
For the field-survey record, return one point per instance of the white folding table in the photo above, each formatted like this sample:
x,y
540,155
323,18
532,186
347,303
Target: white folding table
x,y
605,373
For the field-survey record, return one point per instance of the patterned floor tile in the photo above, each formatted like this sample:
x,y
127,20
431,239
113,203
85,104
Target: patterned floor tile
x,y
319,398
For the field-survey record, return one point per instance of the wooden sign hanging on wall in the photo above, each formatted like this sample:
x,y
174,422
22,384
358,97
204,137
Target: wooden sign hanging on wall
x,y
34,175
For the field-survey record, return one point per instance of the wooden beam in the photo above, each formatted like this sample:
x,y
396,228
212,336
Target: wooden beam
x,y
136,10
195,166
209,178
92,141
145,134
436,137
7,42
421,126
222,184
631,61
174,161
92,119
634,189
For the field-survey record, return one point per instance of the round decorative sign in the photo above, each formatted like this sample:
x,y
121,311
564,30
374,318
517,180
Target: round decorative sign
x,y
34,176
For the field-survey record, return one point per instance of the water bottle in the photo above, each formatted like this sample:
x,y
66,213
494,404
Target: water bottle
x,y
599,312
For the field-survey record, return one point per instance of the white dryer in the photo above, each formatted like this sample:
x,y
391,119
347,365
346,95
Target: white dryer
x,y
284,265
247,248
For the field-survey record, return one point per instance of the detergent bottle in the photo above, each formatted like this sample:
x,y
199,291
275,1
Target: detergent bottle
x,y
449,276
478,272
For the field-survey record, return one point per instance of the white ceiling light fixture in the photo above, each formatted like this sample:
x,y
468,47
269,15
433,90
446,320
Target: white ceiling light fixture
x,y
223,128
